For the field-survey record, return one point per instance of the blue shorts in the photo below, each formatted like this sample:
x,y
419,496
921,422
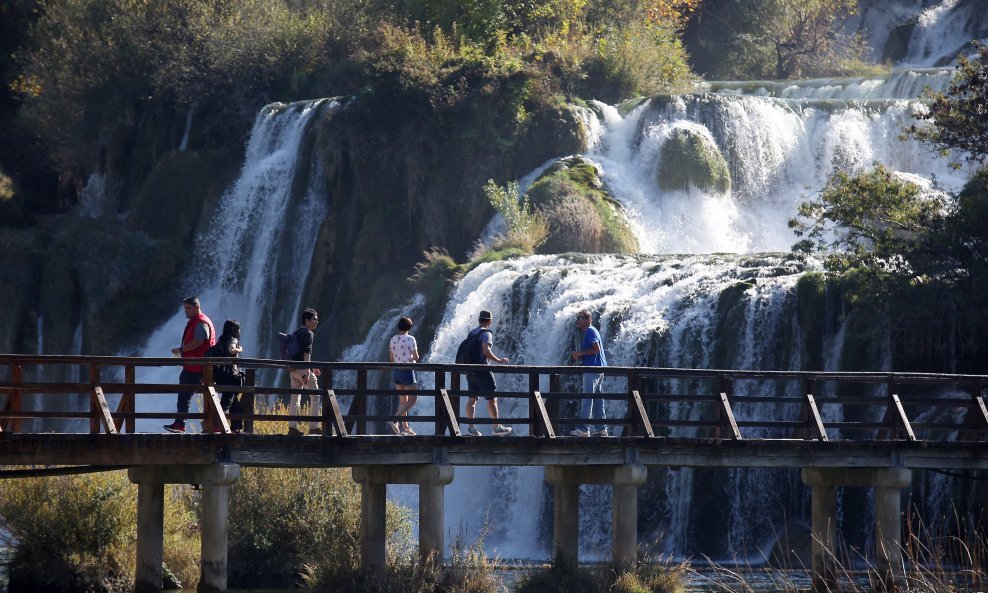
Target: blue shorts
x,y
483,383
403,377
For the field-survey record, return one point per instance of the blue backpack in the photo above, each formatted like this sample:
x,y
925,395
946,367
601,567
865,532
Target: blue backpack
x,y
289,344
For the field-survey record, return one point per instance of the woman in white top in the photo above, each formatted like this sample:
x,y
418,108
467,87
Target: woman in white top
x,y
403,348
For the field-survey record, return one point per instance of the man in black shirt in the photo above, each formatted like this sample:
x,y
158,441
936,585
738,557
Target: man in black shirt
x,y
305,378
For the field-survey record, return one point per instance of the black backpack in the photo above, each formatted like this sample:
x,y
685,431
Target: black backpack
x,y
470,350
224,374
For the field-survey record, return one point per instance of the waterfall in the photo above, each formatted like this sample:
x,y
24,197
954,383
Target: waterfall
x,y
252,259
728,300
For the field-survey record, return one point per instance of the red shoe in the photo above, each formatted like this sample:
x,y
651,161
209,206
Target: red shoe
x,y
178,427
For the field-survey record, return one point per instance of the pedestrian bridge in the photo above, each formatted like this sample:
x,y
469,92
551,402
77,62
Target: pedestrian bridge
x,y
83,413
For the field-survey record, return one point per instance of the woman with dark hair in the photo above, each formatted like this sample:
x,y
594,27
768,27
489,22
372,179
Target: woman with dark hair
x,y
403,349
228,346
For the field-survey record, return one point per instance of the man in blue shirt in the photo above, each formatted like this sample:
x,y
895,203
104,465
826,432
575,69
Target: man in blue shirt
x,y
591,353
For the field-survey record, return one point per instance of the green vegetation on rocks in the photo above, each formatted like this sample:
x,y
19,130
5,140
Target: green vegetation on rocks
x,y
581,214
691,159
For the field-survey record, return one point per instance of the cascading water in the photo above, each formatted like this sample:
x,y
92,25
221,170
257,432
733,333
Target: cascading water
x,y
254,256
779,141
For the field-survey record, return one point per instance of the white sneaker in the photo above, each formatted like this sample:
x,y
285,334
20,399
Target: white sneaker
x,y
599,433
500,430
579,433
472,431
395,429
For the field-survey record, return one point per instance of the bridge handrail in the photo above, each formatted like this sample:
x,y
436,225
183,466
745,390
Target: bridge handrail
x,y
650,413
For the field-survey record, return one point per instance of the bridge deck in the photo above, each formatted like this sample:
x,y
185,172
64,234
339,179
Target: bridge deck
x,y
283,451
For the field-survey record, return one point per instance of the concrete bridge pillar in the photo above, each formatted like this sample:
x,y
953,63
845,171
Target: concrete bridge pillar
x,y
151,480
624,479
888,484
373,480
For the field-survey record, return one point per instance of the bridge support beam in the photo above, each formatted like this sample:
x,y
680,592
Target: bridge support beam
x,y
624,480
888,483
374,479
215,480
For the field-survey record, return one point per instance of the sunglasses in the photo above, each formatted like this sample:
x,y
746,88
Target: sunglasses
x,y
582,318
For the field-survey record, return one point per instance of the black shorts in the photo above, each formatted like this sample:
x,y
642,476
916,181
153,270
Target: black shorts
x,y
481,384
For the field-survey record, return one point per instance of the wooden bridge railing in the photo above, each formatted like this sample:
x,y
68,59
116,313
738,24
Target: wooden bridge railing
x,y
650,402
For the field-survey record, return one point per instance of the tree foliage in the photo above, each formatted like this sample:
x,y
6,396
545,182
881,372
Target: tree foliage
x,y
919,256
874,220
957,119
752,39
91,71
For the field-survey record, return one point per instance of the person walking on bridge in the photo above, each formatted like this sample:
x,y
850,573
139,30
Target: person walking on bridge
x,y
591,354
483,382
403,349
199,336
305,378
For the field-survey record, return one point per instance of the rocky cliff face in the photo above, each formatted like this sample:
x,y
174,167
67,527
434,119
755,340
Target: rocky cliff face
x,y
402,176
402,179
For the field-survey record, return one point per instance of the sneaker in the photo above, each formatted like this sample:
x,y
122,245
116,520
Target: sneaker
x,y
318,431
294,432
579,433
408,432
600,433
472,431
500,430
177,426
395,429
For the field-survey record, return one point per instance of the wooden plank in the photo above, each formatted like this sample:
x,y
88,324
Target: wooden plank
x,y
534,426
247,401
94,412
814,419
14,401
215,418
639,416
542,420
332,407
103,408
728,417
126,404
981,410
444,408
903,420
439,382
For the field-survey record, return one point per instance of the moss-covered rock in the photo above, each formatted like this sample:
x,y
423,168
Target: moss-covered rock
x,y
581,213
690,159
897,45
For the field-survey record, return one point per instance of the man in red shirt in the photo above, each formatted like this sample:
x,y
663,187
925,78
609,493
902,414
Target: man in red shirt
x,y
199,336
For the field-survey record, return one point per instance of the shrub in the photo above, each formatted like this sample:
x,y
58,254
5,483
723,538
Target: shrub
x,y
647,577
527,229
295,525
77,533
435,275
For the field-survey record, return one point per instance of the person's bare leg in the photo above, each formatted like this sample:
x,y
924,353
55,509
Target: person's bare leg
x,y
406,403
492,408
471,408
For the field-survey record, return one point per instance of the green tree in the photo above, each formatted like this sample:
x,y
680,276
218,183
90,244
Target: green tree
x,y
751,39
874,220
957,119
